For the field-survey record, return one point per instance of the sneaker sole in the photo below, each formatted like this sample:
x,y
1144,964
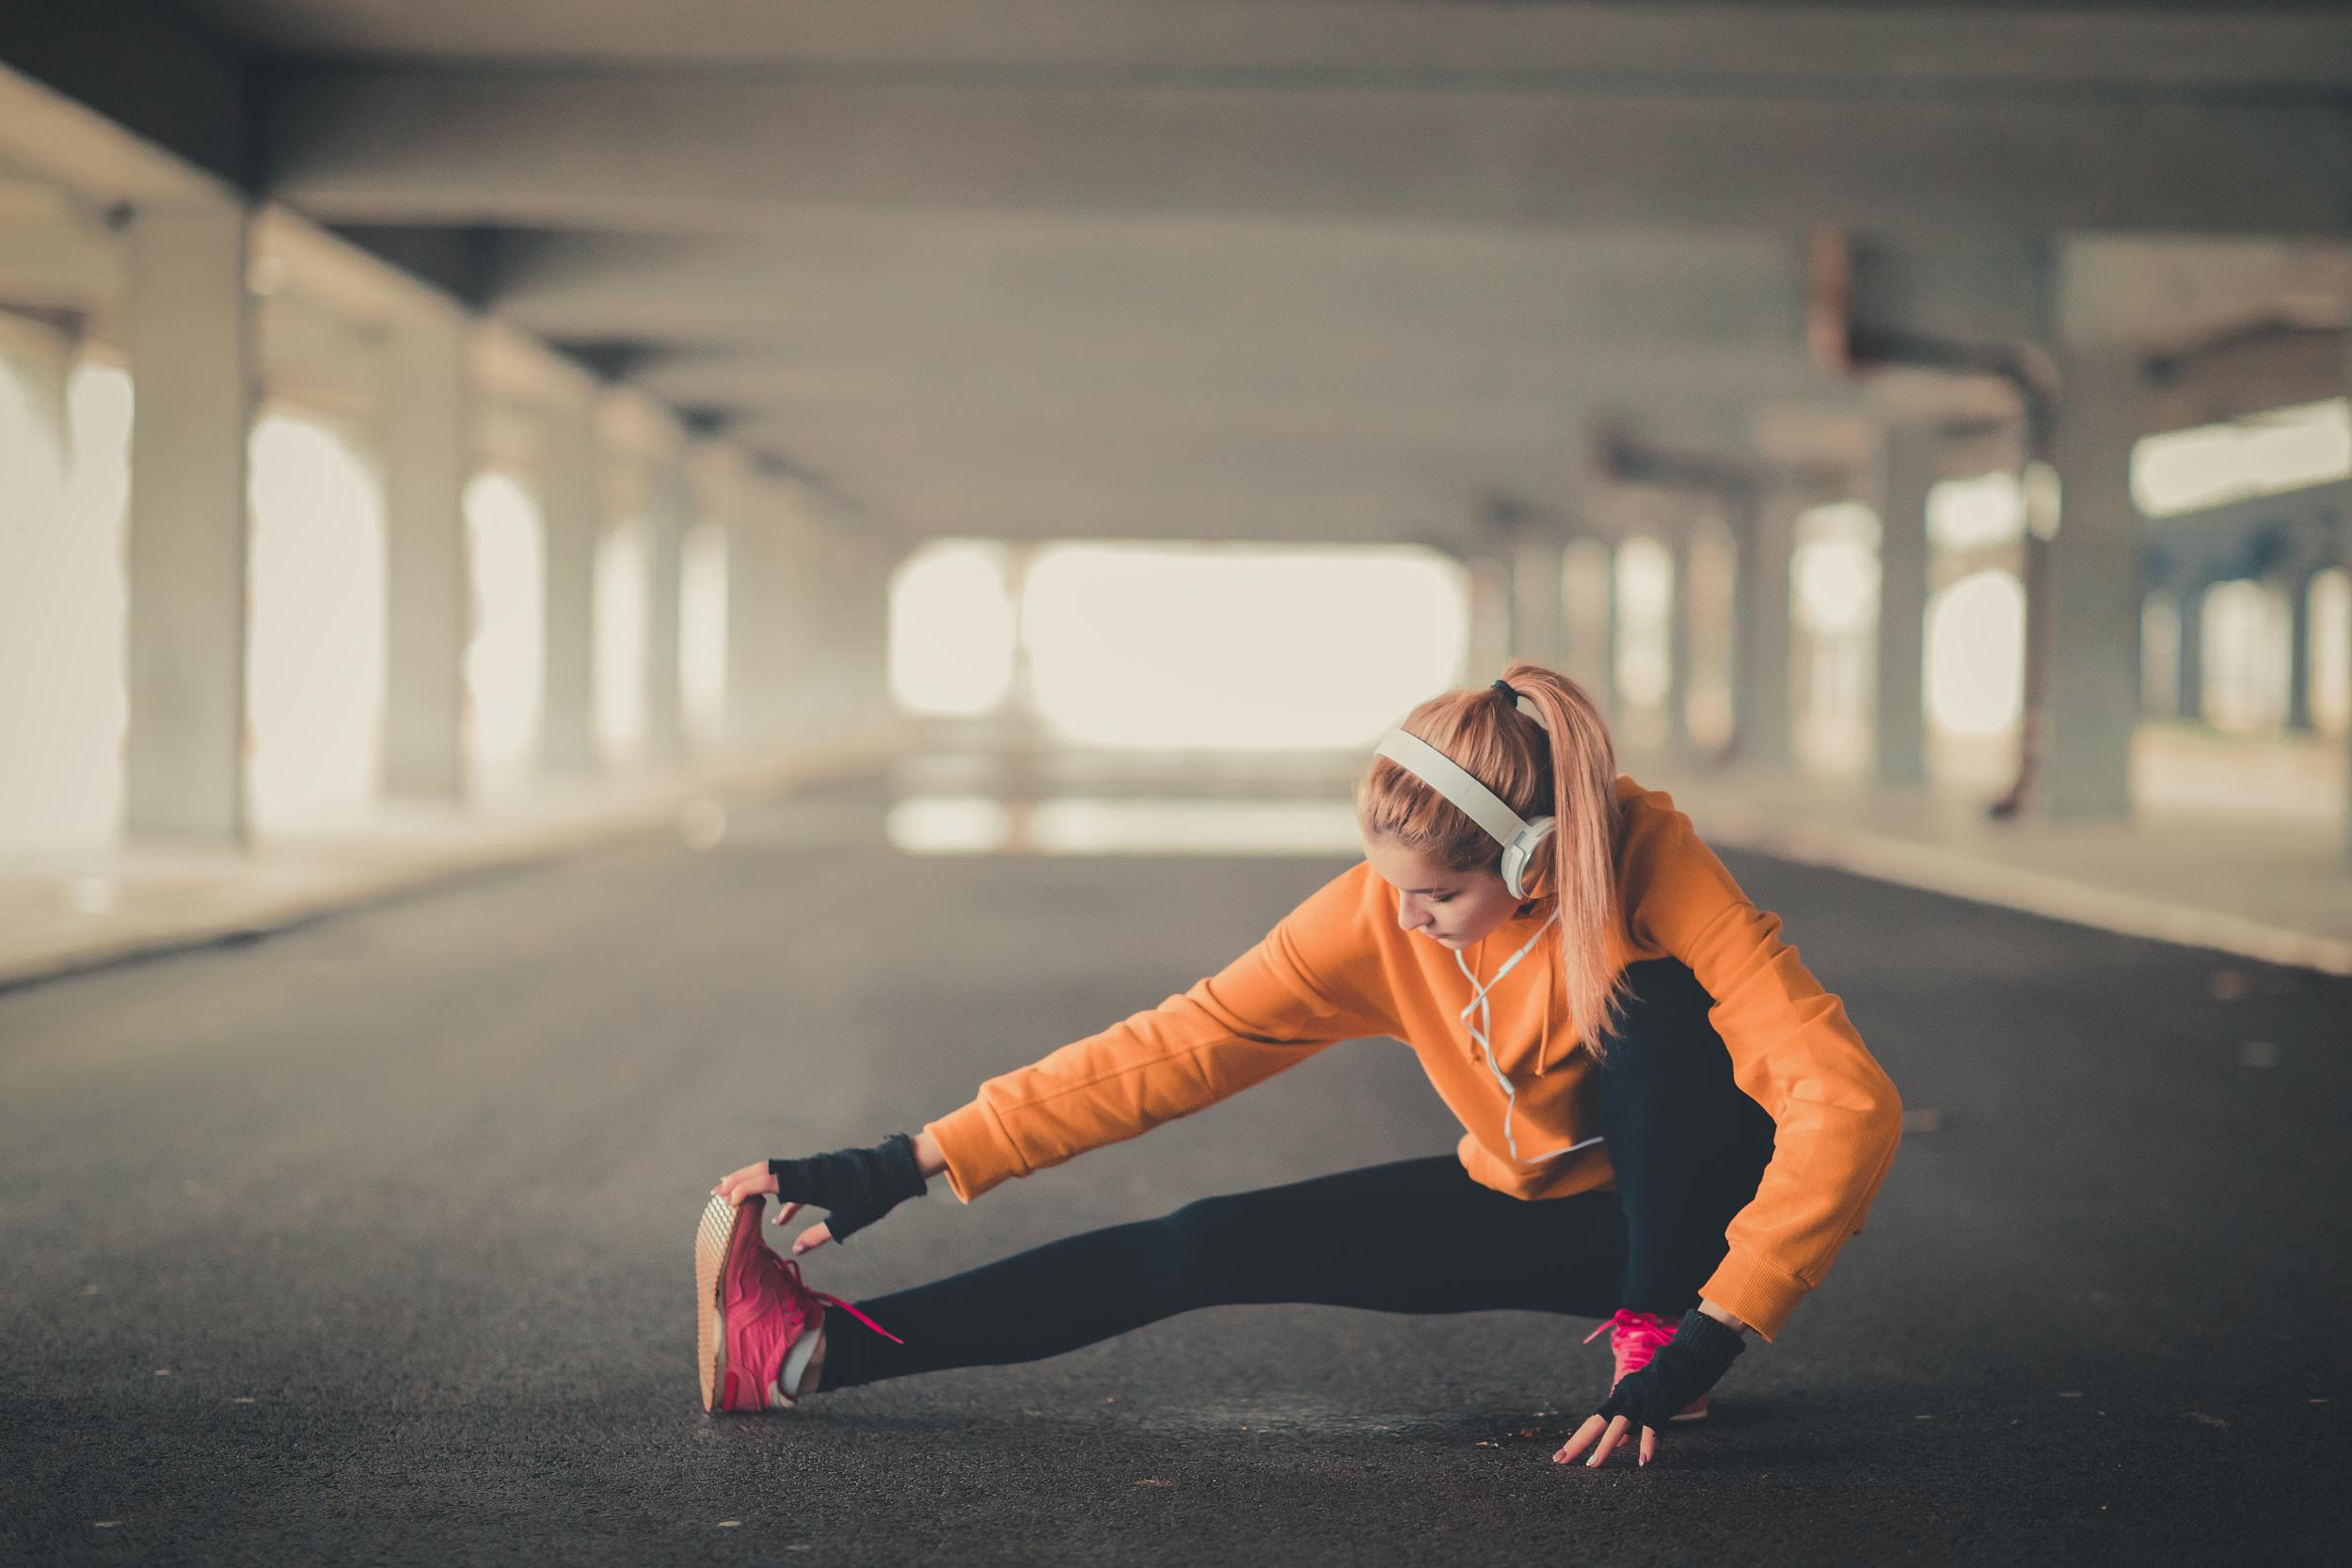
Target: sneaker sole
x,y
713,1239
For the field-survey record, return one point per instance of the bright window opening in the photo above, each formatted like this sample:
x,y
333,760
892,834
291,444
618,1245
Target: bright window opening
x,y
1709,602
1835,579
314,655
62,453
1976,654
1645,651
2248,644
1972,514
2280,448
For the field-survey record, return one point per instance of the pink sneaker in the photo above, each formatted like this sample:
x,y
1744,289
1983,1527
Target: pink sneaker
x,y
1633,1338
753,1309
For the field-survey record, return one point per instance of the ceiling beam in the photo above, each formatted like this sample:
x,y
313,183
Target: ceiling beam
x,y
2218,45
371,144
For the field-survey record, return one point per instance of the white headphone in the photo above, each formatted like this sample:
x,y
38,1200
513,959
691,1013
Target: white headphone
x,y
1518,837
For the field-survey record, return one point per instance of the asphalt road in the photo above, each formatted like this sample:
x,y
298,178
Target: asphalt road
x,y
371,1242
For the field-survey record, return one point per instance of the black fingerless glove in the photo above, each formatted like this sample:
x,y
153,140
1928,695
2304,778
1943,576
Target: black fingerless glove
x,y
855,1186
1684,1368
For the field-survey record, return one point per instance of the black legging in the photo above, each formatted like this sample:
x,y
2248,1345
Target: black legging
x,y
1687,1148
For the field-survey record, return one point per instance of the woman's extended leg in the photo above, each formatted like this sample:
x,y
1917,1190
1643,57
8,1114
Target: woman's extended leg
x,y
1687,1145
1412,1236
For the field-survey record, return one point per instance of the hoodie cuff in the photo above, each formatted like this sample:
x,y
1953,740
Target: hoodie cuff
x,y
1758,1293
980,1153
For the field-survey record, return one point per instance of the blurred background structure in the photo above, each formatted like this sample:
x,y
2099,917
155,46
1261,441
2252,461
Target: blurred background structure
x,y
1105,419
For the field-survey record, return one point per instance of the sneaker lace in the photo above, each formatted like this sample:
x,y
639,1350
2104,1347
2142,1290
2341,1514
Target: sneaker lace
x,y
1634,1338
794,1270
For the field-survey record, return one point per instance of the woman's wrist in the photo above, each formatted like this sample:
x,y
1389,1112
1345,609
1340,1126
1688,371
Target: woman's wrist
x,y
929,1157
1724,1316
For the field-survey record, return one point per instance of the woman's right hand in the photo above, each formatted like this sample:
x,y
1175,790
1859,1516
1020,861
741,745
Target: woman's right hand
x,y
754,1181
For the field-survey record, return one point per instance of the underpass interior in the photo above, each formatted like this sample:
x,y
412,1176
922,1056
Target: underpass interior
x,y
592,593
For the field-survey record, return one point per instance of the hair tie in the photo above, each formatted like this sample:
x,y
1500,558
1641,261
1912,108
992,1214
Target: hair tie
x,y
1504,686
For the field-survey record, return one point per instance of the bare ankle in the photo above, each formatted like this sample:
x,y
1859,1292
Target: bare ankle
x,y
815,1365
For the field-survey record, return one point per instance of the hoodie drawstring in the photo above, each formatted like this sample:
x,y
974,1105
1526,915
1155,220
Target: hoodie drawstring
x,y
1479,1032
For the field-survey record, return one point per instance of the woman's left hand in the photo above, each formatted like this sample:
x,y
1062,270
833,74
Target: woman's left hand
x,y
1693,1361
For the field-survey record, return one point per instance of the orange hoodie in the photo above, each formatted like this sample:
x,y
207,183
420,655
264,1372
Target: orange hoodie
x,y
1338,967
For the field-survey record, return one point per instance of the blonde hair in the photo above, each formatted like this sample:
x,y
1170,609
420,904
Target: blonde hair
x,y
1558,762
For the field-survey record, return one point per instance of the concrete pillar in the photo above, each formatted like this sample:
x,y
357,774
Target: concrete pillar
x,y
760,585
428,457
1765,528
669,513
1589,590
2299,592
189,326
876,560
1490,634
1679,642
1908,470
571,500
1537,616
2188,686
2096,589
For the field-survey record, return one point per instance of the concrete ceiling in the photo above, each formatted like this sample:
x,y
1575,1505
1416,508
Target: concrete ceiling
x,y
1303,269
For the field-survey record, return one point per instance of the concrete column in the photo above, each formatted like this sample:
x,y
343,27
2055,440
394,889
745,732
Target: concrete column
x,y
2299,592
428,457
823,666
2343,559
571,501
1908,471
1765,527
1589,577
1490,634
189,326
1678,642
669,513
2096,587
1536,604
875,561
760,574
2189,684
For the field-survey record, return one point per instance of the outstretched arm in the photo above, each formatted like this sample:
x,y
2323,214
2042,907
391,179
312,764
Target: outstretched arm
x,y
757,1180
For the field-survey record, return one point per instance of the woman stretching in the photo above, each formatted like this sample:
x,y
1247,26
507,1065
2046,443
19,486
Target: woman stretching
x,y
1668,1124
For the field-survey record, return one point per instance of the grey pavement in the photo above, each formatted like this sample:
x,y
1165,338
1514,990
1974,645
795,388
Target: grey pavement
x,y
370,1241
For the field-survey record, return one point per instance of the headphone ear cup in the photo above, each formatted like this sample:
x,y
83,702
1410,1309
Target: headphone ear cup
x,y
1534,852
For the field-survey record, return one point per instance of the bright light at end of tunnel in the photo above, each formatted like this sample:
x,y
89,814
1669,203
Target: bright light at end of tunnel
x,y
951,629
1239,647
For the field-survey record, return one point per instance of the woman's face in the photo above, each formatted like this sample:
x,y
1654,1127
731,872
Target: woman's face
x,y
1453,908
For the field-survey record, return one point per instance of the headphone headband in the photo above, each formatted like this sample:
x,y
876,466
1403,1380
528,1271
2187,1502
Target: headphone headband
x,y
1452,780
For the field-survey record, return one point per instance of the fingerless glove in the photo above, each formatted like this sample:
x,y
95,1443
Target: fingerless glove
x,y
1684,1368
855,1186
